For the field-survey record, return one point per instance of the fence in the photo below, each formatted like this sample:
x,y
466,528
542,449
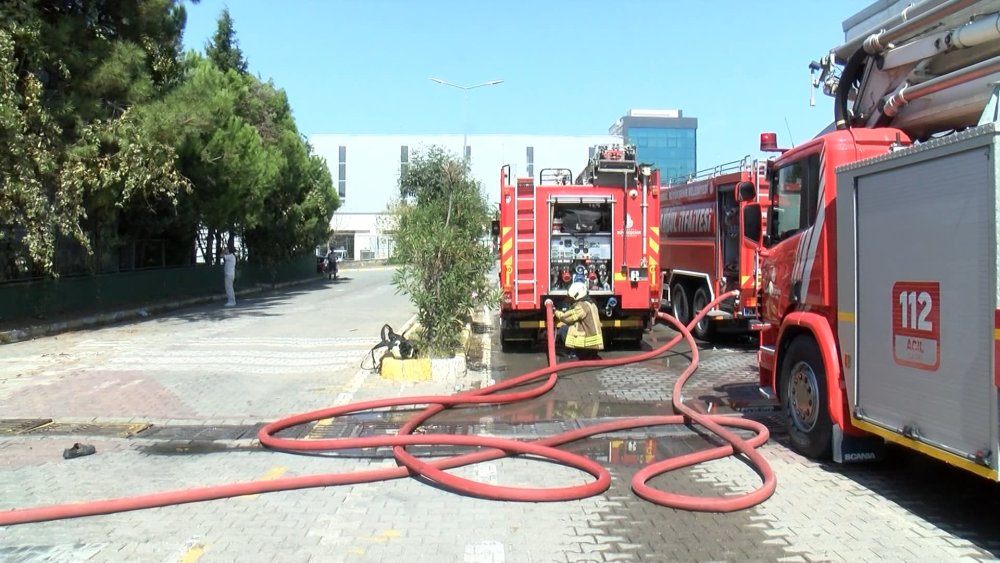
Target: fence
x,y
42,299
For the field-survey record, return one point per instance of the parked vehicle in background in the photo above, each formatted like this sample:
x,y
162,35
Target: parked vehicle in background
x,y
710,228
326,259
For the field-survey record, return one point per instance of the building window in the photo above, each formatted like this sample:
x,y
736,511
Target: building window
x,y
531,161
342,172
672,150
404,160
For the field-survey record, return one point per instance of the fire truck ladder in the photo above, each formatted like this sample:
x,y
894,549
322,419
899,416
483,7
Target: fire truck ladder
x,y
525,288
611,165
929,67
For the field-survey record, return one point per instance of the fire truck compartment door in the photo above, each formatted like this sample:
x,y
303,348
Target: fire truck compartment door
x,y
925,278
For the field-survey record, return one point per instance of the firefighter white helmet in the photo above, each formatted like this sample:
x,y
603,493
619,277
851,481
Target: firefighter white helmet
x,y
577,291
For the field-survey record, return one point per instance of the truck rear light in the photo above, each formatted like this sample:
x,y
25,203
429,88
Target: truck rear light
x,y
506,297
996,348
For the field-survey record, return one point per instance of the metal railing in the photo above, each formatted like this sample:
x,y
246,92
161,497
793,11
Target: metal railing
x,y
744,164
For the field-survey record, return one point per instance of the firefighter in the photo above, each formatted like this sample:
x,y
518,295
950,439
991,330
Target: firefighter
x,y
581,330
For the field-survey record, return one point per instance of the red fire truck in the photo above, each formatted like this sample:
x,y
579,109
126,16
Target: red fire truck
x,y
703,250
880,261
600,227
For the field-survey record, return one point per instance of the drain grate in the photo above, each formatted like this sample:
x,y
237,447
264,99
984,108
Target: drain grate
x,y
332,431
774,420
19,425
116,430
196,432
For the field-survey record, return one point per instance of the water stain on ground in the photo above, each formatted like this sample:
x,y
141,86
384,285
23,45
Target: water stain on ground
x,y
193,447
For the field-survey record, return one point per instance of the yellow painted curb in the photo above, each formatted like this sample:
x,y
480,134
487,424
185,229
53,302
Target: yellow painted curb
x,y
418,369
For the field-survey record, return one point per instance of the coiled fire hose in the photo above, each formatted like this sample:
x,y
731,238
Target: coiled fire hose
x,y
492,448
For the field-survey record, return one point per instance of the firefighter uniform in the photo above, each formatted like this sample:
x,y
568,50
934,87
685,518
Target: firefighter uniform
x,y
584,323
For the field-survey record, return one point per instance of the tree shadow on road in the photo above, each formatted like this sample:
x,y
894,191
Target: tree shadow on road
x,y
256,305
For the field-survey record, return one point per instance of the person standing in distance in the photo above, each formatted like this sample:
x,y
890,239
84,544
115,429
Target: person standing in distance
x,y
229,269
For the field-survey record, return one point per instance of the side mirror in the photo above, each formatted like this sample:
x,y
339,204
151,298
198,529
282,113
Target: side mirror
x,y
745,191
752,228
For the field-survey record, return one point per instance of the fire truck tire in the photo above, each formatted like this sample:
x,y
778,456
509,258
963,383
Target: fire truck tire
x,y
680,305
704,330
804,400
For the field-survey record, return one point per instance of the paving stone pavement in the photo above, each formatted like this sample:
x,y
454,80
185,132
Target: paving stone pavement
x,y
903,510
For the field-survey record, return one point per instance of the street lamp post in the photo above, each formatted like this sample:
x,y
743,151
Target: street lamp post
x,y
465,92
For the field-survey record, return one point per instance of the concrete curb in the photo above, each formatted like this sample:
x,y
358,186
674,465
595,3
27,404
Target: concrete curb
x,y
453,372
442,370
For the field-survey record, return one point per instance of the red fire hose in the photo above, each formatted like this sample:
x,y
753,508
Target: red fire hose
x,y
494,448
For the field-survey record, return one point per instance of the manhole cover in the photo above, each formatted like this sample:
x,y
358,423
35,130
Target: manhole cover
x,y
18,425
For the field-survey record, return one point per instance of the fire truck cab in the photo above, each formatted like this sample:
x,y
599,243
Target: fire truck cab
x,y
880,265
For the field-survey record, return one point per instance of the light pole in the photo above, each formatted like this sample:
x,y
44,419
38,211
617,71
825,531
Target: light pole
x,y
465,91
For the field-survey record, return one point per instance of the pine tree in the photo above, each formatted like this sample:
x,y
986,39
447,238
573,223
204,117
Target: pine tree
x,y
224,49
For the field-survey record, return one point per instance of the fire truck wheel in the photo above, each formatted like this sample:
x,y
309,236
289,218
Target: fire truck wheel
x,y
803,396
680,305
704,329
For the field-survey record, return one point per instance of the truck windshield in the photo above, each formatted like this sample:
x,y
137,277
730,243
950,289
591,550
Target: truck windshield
x,y
797,186
786,218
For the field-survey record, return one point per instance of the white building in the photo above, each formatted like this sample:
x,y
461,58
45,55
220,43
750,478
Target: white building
x,y
365,170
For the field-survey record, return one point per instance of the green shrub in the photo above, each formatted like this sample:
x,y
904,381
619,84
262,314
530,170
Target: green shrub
x,y
441,218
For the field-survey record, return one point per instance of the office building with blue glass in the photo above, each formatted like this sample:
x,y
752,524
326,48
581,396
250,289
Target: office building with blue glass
x,y
662,137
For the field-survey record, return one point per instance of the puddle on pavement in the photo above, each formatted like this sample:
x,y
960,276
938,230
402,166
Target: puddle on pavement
x,y
178,448
634,450
542,409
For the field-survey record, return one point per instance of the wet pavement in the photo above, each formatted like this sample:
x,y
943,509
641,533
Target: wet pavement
x,y
908,508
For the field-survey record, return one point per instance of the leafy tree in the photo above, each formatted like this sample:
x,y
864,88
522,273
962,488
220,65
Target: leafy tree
x,y
301,199
95,59
33,206
222,155
296,213
121,171
73,71
440,217
110,137
224,50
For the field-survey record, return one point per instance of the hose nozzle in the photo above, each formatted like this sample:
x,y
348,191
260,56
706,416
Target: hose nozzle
x,y
610,306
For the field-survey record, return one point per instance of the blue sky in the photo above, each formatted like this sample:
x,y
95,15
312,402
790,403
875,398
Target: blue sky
x,y
569,66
